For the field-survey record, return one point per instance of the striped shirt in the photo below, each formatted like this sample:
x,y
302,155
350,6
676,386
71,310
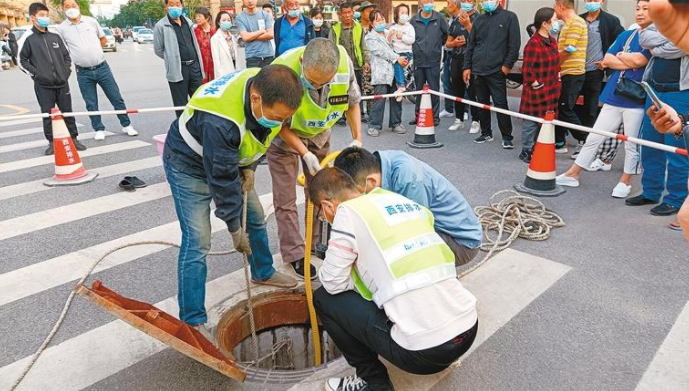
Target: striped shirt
x,y
574,33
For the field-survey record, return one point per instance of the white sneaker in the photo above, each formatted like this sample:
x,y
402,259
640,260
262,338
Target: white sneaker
x,y
130,130
446,114
599,165
349,383
621,190
466,116
475,128
563,180
458,125
100,135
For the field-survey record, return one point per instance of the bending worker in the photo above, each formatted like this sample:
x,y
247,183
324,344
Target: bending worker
x,y
455,220
210,153
331,91
390,286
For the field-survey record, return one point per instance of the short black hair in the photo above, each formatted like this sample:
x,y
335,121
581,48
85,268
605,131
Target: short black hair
x,y
205,12
330,183
358,163
181,1
315,11
279,84
35,7
266,5
344,5
566,3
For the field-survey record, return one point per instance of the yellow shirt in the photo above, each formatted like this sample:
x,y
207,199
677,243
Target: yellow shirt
x,y
575,33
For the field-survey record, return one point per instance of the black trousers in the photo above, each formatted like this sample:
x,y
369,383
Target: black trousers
x,y
183,90
459,89
593,85
493,87
362,332
571,88
258,62
47,99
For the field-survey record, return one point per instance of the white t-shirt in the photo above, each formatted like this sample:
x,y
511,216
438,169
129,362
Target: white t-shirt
x,y
408,37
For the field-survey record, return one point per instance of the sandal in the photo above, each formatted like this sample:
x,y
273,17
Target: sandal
x,y
136,182
675,226
126,185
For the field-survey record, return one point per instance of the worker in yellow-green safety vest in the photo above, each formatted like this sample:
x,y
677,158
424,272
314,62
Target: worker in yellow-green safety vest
x,y
389,285
210,154
330,92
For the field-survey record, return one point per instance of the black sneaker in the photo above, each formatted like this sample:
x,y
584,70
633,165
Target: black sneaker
x,y
365,118
354,383
412,122
575,154
79,145
639,200
298,267
50,150
342,122
525,156
664,210
507,144
483,139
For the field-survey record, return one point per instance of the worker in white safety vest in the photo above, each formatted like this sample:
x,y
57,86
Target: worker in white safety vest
x,y
390,286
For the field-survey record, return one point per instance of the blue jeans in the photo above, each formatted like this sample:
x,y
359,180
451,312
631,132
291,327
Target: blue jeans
x,y
400,79
192,202
88,80
447,86
657,163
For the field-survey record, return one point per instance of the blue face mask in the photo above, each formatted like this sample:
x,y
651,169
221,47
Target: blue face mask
x,y
555,29
592,6
307,83
428,8
174,12
380,28
467,7
293,13
490,6
357,15
43,22
265,122
225,25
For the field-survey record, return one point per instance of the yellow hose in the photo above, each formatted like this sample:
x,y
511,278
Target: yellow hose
x,y
307,266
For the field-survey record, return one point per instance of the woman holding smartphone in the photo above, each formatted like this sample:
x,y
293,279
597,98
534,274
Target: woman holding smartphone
x,y
540,71
628,60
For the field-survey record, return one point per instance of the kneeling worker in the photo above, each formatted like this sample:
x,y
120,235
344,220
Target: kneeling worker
x,y
390,286
455,220
210,154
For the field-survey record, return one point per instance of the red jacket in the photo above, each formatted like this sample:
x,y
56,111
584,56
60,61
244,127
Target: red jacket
x,y
205,48
541,64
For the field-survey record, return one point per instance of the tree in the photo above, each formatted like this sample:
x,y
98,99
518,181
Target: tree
x,y
138,13
84,6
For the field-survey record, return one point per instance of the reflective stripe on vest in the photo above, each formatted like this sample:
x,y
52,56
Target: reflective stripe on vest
x,y
224,97
311,119
415,255
357,35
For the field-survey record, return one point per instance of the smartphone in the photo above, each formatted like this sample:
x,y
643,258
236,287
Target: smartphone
x,y
652,94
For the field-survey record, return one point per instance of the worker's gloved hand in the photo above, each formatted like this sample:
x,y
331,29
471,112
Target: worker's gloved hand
x,y
246,176
356,143
241,241
312,163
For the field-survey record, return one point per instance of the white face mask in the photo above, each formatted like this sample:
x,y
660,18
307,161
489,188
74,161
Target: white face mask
x,y
318,22
73,13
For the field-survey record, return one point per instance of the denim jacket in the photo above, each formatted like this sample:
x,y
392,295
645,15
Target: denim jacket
x,y
416,180
382,59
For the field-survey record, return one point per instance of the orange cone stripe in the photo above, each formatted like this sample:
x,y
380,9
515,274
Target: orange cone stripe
x,y
542,160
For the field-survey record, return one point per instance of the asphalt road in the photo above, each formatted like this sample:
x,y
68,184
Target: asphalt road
x,y
599,327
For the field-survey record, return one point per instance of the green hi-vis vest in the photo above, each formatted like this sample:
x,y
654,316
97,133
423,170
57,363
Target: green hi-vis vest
x,y
357,35
415,256
224,97
310,119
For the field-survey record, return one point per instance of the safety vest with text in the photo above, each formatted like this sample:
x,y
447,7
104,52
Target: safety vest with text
x,y
310,119
225,97
357,35
414,255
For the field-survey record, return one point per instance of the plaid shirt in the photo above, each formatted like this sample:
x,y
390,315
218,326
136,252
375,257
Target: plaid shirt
x,y
541,64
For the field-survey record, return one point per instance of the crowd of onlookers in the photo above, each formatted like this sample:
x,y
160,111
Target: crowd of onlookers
x,y
568,57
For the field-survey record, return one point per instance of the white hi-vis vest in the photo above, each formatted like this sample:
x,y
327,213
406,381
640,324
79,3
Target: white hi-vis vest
x,y
415,256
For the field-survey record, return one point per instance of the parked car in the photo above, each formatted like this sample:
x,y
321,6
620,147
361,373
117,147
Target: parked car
x,y
135,32
20,30
145,36
110,42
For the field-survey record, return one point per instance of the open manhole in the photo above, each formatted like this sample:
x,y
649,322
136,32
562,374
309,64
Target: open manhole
x,y
284,338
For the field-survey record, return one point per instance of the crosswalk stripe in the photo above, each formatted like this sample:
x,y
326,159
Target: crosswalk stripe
x,y
668,370
32,187
80,210
42,143
39,161
19,122
503,287
33,279
24,132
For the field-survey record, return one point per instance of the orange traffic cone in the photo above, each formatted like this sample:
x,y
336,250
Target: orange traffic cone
x,y
69,170
540,177
424,135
